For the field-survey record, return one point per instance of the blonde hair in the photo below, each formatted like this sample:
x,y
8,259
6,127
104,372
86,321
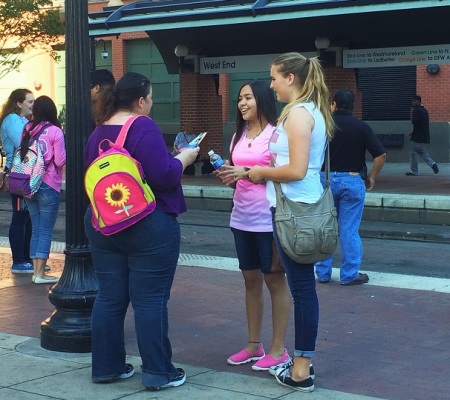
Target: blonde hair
x,y
310,80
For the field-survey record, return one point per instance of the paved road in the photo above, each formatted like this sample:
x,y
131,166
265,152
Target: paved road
x,y
207,233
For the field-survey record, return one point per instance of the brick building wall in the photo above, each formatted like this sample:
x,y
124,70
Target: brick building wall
x,y
224,92
201,104
337,77
435,91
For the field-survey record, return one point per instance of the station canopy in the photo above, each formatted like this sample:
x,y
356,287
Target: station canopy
x,y
217,28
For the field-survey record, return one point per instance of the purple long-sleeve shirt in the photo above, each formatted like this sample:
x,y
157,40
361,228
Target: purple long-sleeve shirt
x,y
146,144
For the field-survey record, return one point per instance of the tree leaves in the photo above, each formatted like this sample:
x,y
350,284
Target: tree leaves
x,y
26,25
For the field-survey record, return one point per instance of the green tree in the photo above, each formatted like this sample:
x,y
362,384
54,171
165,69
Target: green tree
x,y
26,25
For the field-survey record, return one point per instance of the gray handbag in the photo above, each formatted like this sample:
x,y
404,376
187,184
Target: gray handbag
x,y
308,232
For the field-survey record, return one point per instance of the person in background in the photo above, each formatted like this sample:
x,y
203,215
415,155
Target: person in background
x,y
420,137
102,82
137,264
44,204
352,137
183,138
297,151
14,116
251,224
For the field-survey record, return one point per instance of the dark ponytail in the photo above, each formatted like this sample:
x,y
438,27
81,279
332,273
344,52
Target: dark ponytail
x,y
130,88
24,144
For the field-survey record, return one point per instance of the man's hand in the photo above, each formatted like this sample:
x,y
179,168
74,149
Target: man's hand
x,y
370,183
378,163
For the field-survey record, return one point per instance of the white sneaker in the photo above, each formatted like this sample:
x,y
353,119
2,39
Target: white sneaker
x,y
44,279
276,369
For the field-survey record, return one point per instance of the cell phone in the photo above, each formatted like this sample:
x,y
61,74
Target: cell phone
x,y
196,142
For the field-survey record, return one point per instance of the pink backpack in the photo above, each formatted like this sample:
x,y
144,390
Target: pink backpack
x,y
116,187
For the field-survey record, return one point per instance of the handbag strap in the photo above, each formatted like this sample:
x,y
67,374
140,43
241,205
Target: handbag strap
x,y
277,184
41,131
327,161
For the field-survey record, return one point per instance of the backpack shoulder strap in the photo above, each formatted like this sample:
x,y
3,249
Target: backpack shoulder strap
x,y
36,137
124,131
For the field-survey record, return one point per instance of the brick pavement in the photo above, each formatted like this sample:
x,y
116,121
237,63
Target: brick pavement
x,y
8,279
374,341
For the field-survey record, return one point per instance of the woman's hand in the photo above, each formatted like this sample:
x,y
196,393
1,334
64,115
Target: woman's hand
x,y
255,174
188,156
229,174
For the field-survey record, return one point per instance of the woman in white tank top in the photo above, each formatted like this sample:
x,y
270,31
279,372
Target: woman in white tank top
x,y
297,150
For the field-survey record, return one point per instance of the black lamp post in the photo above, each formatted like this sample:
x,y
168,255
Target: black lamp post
x,y
68,329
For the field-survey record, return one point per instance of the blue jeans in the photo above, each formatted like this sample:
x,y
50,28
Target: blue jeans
x,y
19,230
137,264
43,208
349,192
302,285
419,149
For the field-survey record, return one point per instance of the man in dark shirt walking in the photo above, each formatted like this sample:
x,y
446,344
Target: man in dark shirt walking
x,y
420,136
349,181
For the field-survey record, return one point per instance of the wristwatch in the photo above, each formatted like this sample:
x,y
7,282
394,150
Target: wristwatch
x,y
246,169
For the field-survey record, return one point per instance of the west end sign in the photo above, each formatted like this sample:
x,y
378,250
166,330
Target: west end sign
x,y
239,64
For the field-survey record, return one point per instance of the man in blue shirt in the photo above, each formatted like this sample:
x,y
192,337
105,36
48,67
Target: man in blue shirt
x,y
183,138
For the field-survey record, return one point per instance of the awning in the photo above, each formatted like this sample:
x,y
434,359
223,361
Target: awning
x,y
228,27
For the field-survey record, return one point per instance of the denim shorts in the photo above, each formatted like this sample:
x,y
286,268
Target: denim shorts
x,y
254,250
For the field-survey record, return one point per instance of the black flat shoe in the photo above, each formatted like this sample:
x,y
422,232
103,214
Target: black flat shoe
x,y
284,378
361,279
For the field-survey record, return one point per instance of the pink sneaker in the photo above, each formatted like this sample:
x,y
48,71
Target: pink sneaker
x,y
268,361
244,356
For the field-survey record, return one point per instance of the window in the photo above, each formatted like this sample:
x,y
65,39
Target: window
x,y
386,92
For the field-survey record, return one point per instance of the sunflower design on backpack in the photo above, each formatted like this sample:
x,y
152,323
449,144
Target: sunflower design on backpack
x,y
116,186
118,195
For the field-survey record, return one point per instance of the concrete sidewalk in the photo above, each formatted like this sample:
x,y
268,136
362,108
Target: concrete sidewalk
x,y
375,341
34,373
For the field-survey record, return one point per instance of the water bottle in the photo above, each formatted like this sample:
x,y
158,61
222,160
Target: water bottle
x,y
215,160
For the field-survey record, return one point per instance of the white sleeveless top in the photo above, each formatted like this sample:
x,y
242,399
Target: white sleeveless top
x,y
308,189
